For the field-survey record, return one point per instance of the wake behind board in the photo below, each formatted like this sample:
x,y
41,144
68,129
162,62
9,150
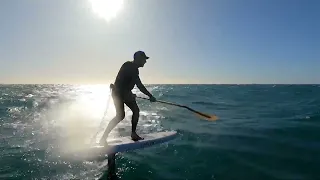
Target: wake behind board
x,y
123,144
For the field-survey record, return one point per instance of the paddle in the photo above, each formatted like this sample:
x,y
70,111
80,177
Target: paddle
x,y
205,116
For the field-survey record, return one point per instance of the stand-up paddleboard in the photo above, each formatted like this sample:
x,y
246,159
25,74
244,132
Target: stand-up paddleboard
x,y
124,144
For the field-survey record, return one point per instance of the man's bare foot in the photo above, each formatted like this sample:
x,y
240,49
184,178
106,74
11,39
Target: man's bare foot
x,y
135,137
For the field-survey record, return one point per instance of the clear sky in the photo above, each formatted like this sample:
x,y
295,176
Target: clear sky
x,y
188,41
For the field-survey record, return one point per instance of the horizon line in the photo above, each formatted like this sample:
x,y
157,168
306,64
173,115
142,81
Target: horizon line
x,y
163,83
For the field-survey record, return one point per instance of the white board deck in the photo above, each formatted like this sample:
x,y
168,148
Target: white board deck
x,y
123,144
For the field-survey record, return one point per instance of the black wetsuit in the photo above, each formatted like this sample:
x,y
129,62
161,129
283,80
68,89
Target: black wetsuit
x,y
121,91
126,79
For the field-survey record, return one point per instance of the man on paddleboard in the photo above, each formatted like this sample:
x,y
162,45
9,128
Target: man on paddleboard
x,y
127,78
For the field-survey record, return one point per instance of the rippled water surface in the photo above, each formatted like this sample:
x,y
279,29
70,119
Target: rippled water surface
x,y
264,132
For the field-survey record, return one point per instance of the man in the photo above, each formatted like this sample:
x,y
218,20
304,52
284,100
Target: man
x,y
127,78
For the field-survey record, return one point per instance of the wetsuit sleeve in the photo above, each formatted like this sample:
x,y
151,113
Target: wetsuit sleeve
x,y
142,87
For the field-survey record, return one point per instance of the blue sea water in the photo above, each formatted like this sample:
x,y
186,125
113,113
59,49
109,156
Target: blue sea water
x,y
264,132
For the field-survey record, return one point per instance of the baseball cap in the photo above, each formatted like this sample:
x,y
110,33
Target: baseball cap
x,y
140,54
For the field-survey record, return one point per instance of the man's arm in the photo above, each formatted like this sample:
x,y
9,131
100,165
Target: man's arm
x,y
143,88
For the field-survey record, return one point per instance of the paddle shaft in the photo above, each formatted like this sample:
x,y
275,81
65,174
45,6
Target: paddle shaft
x,y
174,104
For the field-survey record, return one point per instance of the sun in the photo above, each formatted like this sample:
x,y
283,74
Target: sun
x,y
106,9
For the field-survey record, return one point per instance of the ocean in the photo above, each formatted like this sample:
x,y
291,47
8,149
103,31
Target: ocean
x,y
263,132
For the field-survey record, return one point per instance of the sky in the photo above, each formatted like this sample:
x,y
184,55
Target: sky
x,y
188,41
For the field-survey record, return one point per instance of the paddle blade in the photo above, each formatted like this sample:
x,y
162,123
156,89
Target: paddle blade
x,y
207,117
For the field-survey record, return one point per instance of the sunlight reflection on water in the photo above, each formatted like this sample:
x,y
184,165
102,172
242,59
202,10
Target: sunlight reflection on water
x,y
82,113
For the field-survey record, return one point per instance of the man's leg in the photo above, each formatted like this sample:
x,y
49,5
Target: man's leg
x,y
119,105
135,118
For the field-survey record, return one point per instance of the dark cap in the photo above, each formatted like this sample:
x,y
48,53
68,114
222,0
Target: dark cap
x,y
140,54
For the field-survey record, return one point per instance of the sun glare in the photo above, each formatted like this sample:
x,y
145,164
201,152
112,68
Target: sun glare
x,y
106,9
